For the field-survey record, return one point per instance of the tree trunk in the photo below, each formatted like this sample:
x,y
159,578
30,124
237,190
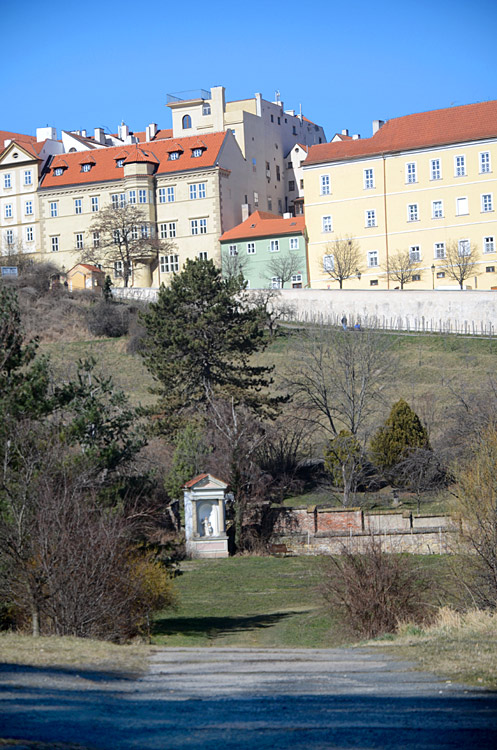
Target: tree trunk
x,y
35,622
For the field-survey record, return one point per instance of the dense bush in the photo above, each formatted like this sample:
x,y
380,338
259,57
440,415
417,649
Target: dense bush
x,y
374,591
110,319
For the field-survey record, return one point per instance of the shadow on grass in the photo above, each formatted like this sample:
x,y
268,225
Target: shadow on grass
x,y
216,626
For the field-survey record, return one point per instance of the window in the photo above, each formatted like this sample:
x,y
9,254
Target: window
x,y
368,179
490,269
373,259
9,236
186,122
278,173
411,172
7,181
459,166
439,250
196,152
437,209
8,210
325,184
142,196
291,186
294,243
274,246
174,155
206,108
488,245
269,204
134,232
198,226
440,274
373,282
28,208
118,269
170,194
162,195
78,206
276,282
462,207
256,198
485,162
272,118
132,196
435,169
250,248
79,241
96,239
329,263
169,263
415,253
233,250
54,209
168,230
54,242
119,162
85,167
118,200
464,247
197,191
94,203
145,231
371,218
28,177
416,277
327,224
29,234
412,212
202,255
487,202
297,281
302,184
58,171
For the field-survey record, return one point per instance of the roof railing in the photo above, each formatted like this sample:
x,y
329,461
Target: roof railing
x,y
185,96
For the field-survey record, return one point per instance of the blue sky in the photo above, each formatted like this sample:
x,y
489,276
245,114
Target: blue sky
x,y
75,65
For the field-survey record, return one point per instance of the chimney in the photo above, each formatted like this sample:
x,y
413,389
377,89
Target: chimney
x,y
150,131
356,137
43,134
99,135
377,124
83,133
287,215
345,131
123,131
245,211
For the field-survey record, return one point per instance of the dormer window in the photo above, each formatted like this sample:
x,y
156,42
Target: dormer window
x,y
86,167
186,122
58,171
174,155
197,152
119,162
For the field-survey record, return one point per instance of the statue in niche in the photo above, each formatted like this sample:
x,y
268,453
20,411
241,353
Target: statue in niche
x,y
207,527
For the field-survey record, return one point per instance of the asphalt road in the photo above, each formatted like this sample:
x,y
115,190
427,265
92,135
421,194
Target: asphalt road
x,y
248,698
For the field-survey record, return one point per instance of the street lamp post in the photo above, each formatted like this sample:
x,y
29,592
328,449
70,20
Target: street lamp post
x,y
433,276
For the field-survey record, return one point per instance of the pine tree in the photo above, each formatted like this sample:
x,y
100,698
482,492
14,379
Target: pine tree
x,y
402,433
201,335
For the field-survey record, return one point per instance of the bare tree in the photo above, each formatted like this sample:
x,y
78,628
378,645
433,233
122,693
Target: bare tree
x,y
342,259
283,267
274,308
121,237
233,264
461,258
401,267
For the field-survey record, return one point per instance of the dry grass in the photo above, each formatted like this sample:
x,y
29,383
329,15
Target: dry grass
x,y
460,646
78,652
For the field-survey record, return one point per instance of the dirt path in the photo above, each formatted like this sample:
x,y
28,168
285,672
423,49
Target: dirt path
x,y
246,699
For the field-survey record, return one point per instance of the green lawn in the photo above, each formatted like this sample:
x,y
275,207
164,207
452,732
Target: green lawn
x,y
249,601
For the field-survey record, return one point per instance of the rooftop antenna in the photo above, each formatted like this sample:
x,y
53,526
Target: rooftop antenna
x,y
277,97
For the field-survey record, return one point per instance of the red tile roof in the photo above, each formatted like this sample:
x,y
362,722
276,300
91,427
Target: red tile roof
x,y
88,266
7,135
105,168
470,122
139,155
265,224
159,136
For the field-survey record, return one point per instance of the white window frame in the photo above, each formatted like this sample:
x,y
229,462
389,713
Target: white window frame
x,y
86,167
203,254
118,269
296,279
327,224
458,205
7,181
325,185
489,244
276,282
274,246
58,171
437,213
8,213
169,263
460,165
198,226
412,212
96,239
484,162
411,173
94,204
78,206
162,195
54,244
487,202
439,250
171,195
415,253
250,248
28,208
463,244
329,262
142,196
373,259
132,197
9,236
233,251
29,234
28,177
370,217
435,169
79,241
368,178
294,243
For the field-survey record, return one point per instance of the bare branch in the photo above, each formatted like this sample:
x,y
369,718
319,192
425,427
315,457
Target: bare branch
x,y
401,267
342,259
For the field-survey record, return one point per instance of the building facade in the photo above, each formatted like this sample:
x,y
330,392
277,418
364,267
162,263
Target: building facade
x,y
421,184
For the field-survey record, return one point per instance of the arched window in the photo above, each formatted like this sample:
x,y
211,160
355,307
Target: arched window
x,y
187,122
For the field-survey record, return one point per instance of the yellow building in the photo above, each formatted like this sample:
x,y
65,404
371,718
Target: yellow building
x,y
422,184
